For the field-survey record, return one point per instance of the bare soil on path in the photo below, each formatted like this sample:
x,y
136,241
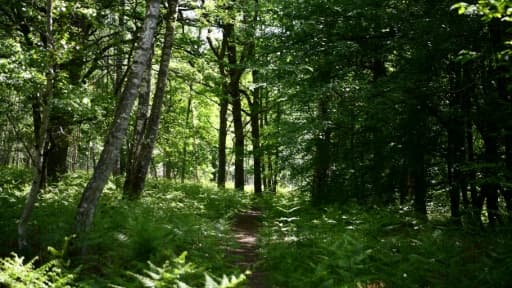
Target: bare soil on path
x,y
245,227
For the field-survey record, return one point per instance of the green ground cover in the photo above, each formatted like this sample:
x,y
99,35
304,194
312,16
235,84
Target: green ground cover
x,y
178,235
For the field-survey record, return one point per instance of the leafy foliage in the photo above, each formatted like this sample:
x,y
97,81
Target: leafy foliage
x,y
179,272
353,246
15,273
168,221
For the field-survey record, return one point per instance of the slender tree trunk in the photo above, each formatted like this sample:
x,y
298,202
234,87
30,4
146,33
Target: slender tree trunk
x,y
255,108
135,149
40,127
117,132
263,148
118,83
223,132
321,160
472,174
220,53
236,104
499,32
275,168
455,156
119,59
135,185
507,191
489,189
416,141
239,139
184,148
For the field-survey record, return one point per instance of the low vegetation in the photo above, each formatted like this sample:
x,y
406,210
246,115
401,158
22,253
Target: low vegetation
x,y
178,235
360,246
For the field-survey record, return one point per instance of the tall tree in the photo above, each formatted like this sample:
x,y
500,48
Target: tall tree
x,y
117,132
220,54
41,116
134,183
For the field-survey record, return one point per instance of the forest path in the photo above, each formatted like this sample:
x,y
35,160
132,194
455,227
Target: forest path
x,y
245,227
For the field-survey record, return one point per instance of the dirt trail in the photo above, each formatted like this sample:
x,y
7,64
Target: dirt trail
x,y
245,226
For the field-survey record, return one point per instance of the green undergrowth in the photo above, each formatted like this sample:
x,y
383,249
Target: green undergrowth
x,y
358,246
131,244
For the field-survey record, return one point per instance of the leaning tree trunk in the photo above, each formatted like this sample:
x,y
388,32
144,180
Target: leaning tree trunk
x,y
41,120
117,132
134,186
141,121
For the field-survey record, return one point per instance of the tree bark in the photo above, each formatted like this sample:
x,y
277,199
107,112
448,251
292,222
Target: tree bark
x,y
41,121
416,141
117,132
140,123
455,154
321,158
135,185
59,138
489,189
255,109
239,138
119,59
184,148
221,152
220,54
236,104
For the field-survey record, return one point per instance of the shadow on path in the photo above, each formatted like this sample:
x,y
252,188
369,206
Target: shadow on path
x,y
245,227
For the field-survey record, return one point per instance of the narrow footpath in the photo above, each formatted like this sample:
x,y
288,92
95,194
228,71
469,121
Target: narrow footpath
x,y
245,227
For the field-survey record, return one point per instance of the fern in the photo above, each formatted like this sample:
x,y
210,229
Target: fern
x,y
14,273
174,274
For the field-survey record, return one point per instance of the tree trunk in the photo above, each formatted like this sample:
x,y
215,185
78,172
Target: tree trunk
x,y
239,138
41,120
264,148
499,32
236,104
184,148
59,133
489,189
455,153
135,149
321,158
117,132
135,185
220,53
223,132
275,169
255,107
507,191
416,141
119,59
